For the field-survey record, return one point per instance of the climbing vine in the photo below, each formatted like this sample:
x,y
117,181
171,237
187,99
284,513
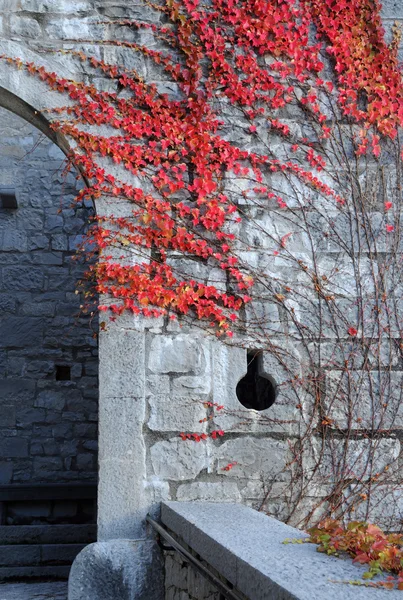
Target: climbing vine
x,y
260,58
251,184
367,545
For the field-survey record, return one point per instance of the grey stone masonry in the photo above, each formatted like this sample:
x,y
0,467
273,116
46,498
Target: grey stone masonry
x,y
48,349
246,549
158,379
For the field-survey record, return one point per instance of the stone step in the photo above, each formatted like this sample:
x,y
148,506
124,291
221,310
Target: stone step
x,y
23,573
37,555
47,534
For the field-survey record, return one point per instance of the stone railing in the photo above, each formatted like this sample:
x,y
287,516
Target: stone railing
x,y
245,550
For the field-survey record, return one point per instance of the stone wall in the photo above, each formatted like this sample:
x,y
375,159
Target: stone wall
x,y
48,350
158,378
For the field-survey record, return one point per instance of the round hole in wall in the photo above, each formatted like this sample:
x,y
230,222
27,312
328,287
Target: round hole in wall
x,y
256,390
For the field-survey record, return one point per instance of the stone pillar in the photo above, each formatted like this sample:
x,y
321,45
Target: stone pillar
x,y
125,563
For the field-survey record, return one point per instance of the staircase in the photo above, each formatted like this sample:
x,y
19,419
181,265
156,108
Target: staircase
x,y
41,551
44,548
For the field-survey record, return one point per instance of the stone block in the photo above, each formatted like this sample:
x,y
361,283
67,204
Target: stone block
x,y
38,242
27,416
176,414
54,223
59,241
23,278
191,386
365,399
6,472
391,9
124,569
180,354
158,385
121,363
229,366
14,241
51,448
179,460
382,506
18,556
59,554
24,27
21,332
201,491
47,258
7,303
73,29
51,399
85,462
69,448
13,447
44,464
359,459
122,469
257,458
17,390
7,415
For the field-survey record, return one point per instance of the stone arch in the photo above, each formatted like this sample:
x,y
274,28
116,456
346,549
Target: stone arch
x,y
26,96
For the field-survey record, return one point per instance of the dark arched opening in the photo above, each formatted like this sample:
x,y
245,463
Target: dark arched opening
x,y
48,351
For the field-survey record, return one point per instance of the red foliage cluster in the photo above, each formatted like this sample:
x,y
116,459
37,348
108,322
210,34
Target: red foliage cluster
x,y
366,544
257,56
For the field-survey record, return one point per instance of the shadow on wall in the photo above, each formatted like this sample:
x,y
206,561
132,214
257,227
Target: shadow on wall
x,y
48,350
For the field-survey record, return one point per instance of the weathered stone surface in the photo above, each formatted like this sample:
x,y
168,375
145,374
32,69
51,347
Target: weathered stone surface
x,y
179,460
256,457
384,506
39,330
121,362
55,590
229,366
122,503
23,278
365,400
246,547
20,332
124,569
191,386
180,354
176,414
50,399
222,491
352,462
13,447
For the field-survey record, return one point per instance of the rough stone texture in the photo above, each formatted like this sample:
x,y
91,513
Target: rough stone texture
x,y
157,378
54,590
124,569
41,328
179,354
177,460
122,501
246,548
256,458
385,507
184,583
187,415
226,491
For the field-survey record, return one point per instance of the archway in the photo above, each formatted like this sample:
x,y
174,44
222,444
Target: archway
x,y
48,354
